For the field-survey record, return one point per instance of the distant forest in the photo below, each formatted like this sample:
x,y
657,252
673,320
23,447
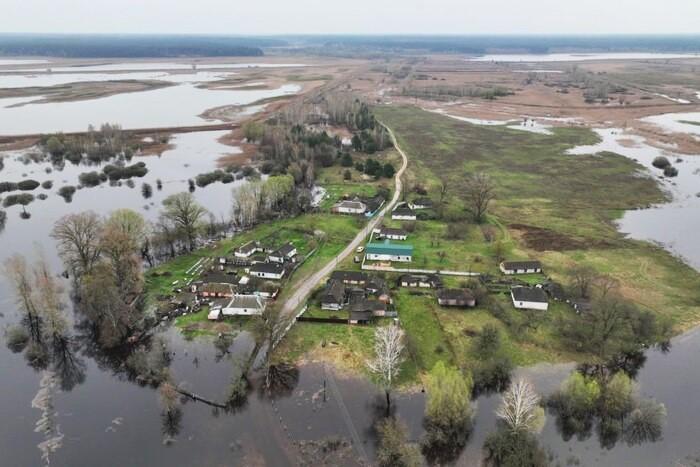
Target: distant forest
x,y
120,46
482,44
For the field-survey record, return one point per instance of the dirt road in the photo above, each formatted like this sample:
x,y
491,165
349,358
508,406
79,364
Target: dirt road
x,y
291,306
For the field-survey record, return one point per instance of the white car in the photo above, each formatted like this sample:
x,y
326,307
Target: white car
x,y
360,249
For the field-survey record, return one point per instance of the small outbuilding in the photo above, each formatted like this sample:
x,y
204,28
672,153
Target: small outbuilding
x,y
529,298
521,267
421,203
389,233
333,297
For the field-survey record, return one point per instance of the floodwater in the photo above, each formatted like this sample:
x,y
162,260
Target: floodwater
x,y
134,66
55,79
20,61
576,57
529,124
178,105
675,224
676,122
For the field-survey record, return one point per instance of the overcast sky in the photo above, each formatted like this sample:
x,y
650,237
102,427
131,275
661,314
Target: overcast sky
x,y
351,16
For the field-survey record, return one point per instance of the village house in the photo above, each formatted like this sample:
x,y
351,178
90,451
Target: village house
x,y
256,286
248,250
421,203
426,281
333,297
267,270
529,298
403,213
239,305
349,207
350,277
521,267
360,317
387,251
284,253
389,233
456,297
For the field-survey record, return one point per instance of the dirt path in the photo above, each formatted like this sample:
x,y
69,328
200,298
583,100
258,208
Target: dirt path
x,y
308,284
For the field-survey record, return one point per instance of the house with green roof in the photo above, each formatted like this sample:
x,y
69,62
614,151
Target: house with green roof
x,y
387,251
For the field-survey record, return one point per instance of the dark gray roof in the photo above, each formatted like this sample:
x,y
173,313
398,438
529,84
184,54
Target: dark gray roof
x,y
367,305
353,276
455,294
404,211
430,278
423,202
392,231
334,292
373,203
270,268
514,265
361,315
284,250
529,294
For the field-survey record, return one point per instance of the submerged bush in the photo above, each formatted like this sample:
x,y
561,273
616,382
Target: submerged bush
x,y
661,162
205,179
47,185
91,179
120,173
12,200
7,186
28,185
670,171
67,192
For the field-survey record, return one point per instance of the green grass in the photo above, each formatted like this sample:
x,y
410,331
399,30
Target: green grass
x,y
690,122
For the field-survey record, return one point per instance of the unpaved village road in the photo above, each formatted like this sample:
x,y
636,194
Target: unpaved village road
x,y
291,306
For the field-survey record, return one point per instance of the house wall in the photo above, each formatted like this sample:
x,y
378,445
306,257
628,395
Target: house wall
x,y
231,311
403,218
266,275
520,271
331,306
385,257
530,305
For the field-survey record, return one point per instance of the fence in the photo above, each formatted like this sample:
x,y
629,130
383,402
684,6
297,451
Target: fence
x,y
310,319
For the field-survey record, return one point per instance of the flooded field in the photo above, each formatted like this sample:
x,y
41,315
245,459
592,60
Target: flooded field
x,y
576,57
166,107
674,224
133,66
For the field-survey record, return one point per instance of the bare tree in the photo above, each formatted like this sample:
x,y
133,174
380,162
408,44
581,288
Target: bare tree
x,y
581,280
520,408
186,213
480,192
388,350
269,330
18,272
78,241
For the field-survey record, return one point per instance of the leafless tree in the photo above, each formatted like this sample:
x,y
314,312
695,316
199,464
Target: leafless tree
x,y
269,330
123,234
186,213
581,280
388,356
519,408
78,241
480,192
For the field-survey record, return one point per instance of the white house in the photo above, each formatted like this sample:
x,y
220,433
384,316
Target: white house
x,y
248,250
403,213
350,207
521,267
285,253
387,251
244,305
529,298
267,270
